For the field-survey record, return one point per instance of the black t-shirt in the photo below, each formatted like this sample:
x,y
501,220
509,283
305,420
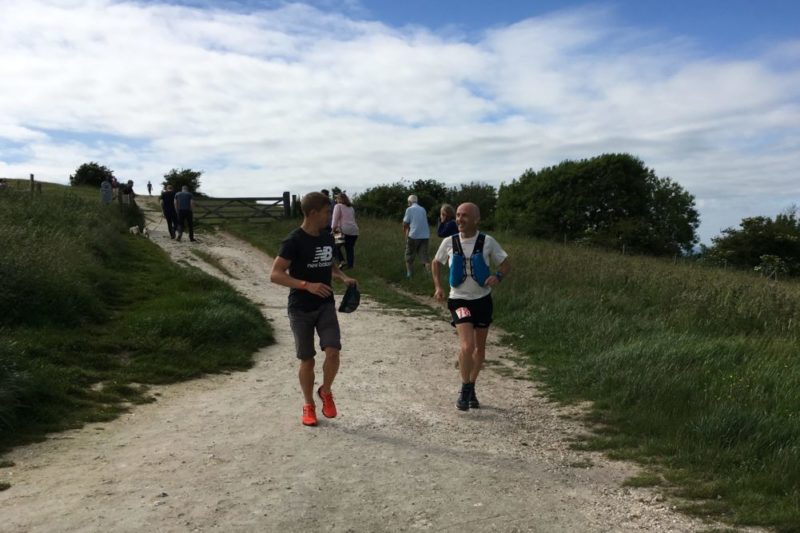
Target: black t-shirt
x,y
312,261
168,201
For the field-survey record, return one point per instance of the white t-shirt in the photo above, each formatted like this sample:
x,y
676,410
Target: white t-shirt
x,y
492,254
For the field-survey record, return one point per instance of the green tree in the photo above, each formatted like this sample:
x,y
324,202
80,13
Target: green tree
x,y
91,173
771,246
391,201
383,201
185,176
611,200
431,194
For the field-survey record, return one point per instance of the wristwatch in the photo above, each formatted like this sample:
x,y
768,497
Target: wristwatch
x,y
498,275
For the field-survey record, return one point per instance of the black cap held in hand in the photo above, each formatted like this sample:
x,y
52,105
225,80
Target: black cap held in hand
x,y
350,300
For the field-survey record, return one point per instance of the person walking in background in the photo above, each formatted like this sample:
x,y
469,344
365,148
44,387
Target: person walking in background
x,y
305,264
106,194
184,205
417,233
149,188
114,188
128,196
167,200
447,221
344,221
470,254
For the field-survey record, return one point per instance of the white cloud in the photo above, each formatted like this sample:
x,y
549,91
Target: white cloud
x,y
295,98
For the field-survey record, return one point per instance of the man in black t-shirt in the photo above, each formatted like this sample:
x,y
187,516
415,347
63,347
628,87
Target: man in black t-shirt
x,y
167,200
305,264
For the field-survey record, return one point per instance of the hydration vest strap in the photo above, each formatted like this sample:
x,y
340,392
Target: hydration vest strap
x,y
458,266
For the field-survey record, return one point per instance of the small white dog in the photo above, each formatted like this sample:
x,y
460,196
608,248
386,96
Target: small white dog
x,y
145,233
134,230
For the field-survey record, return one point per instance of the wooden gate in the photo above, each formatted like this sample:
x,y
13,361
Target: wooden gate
x,y
256,209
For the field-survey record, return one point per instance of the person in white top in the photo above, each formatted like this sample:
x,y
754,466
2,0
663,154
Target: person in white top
x,y
470,254
344,221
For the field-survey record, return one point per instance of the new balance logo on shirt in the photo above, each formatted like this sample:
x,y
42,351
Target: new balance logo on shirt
x,y
323,256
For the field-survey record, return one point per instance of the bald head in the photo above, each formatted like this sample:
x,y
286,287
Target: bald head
x,y
471,208
467,217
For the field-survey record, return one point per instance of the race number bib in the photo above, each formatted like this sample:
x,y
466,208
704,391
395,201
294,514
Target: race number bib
x,y
463,312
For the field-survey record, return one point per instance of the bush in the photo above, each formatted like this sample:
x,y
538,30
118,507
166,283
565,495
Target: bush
x,y
91,174
390,201
771,247
612,200
183,177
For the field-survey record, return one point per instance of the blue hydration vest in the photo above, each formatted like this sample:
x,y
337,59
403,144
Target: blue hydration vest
x,y
458,265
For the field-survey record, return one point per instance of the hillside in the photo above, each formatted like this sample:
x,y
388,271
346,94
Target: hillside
x,y
92,314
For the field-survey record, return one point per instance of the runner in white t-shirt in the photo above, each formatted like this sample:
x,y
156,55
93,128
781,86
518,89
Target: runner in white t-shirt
x,y
470,302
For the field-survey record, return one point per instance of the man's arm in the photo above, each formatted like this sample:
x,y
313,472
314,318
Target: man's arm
x,y
504,269
406,229
436,268
341,276
280,275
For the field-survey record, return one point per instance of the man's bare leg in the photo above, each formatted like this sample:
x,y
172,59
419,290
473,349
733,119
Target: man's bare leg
x,y
329,368
466,339
479,355
306,375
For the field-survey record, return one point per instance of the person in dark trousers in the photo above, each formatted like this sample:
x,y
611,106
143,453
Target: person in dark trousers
x,y
167,200
149,189
344,222
184,205
305,264
447,221
128,195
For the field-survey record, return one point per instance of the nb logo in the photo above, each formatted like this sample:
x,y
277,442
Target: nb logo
x,y
323,254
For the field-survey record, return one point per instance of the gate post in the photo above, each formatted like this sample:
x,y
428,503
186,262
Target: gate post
x,y
287,208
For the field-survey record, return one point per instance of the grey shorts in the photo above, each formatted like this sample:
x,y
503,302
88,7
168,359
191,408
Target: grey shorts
x,y
324,320
417,248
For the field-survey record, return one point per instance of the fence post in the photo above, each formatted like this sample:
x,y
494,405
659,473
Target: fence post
x,y
32,185
287,207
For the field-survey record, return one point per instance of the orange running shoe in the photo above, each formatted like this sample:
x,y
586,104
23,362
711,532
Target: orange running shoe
x,y
328,407
309,415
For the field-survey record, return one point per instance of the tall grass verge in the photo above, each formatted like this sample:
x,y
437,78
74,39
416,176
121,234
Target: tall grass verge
x,y
692,371
91,314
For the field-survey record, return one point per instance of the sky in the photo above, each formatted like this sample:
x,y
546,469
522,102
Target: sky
x,y
271,96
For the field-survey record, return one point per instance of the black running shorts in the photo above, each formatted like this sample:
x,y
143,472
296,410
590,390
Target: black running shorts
x,y
476,312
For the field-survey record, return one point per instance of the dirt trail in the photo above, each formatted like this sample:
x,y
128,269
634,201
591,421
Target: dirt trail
x,y
228,453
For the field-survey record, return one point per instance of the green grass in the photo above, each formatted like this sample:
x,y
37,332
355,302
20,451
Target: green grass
x,y
214,261
692,371
92,315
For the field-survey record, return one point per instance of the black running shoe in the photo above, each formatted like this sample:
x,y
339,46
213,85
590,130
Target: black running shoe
x,y
464,396
473,400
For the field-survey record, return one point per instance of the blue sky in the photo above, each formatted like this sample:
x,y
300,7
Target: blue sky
x,y
267,96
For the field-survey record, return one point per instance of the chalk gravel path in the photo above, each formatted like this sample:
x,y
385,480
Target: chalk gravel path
x,y
228,453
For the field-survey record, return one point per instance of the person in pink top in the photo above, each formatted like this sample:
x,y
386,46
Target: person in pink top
x,y
344,221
